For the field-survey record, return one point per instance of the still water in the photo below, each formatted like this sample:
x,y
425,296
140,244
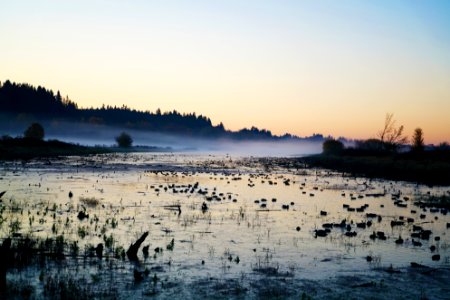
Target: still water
x,y
224,227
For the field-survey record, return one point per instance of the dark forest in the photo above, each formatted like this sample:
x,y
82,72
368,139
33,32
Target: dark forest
x,y
21,100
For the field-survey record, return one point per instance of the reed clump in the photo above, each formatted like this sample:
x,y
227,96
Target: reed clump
x,y
90,201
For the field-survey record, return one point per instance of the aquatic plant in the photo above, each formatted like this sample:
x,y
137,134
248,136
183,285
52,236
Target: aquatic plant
x,y
119,253
211,251
14,226
171,245
82,232
114,223
109,241
90,201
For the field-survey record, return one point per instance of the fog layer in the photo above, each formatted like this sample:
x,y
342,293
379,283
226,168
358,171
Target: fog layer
x,y
99,135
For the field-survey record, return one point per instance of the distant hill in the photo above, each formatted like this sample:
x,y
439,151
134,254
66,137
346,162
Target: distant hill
x,y
19,101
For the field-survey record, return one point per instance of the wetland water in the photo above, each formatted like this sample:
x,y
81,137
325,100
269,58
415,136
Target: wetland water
x,y
220,227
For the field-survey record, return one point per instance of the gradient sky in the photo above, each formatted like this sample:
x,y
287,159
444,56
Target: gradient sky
x,y
332,67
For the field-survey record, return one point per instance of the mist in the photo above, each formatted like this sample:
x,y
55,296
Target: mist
x,y
101,135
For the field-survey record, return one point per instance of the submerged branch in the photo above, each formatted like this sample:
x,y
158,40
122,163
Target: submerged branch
x,y
132,251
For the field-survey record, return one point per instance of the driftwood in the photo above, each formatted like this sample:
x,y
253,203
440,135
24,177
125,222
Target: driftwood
x,y
175,207
133,250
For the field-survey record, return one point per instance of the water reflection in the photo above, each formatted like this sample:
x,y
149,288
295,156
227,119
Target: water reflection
x,y
261,219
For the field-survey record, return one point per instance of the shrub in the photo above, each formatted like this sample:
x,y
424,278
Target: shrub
x,y
124,140
332,146
35,131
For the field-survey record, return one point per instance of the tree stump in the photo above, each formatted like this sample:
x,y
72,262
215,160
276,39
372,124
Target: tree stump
x,y
133,250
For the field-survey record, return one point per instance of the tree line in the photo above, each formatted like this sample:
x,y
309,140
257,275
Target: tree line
x,y
43,104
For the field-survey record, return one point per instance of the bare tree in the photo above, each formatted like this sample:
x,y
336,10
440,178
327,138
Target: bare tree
x,y
391,135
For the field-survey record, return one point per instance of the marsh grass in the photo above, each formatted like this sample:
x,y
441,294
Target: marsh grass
x,y
428,170
442,201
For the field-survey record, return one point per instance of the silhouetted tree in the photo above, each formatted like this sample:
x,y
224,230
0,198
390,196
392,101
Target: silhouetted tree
x,y
417,140
124,140
332,146
392,136
58,97
35,131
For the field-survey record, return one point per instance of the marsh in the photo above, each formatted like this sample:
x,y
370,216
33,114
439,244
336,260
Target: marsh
x,y
257,237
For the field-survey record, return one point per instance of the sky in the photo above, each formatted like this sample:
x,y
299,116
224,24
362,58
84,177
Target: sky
x,y
302,67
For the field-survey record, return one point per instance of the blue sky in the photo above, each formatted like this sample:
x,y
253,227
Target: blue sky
x,y
334,67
